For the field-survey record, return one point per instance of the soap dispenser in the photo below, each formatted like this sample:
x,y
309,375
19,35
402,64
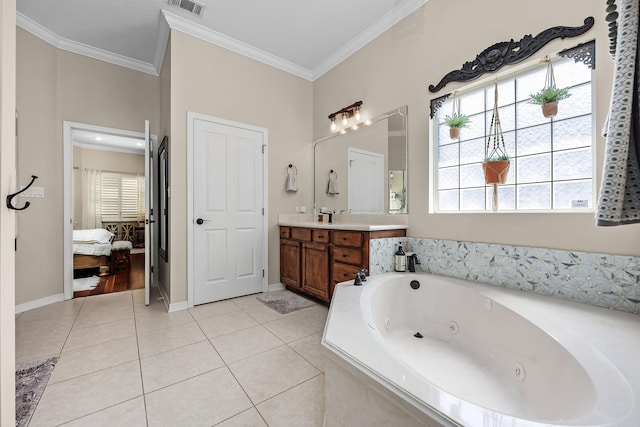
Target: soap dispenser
x,y
400,259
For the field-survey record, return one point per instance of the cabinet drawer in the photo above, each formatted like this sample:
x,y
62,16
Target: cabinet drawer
x,y
285,232
348,238
301,234
320,236
347,256
343,272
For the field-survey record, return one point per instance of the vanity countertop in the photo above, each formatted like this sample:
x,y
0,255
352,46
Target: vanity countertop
x,y
344,226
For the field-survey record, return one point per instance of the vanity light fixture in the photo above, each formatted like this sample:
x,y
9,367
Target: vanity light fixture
x,y
346,113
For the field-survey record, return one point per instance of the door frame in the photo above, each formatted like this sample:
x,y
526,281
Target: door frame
x,y
191,117
67,237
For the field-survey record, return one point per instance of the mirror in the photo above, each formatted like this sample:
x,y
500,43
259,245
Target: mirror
x,y
363,171
163,189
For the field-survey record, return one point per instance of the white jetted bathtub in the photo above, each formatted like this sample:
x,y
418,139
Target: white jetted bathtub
x,y
451,352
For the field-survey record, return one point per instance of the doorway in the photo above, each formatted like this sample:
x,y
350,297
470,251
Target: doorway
x,y
107,239
226,209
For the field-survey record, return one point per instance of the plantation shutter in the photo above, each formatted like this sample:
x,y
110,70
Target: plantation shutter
x,y
122,197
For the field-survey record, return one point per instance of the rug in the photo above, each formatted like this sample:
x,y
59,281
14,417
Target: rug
x,y
85,283
284,301
31,380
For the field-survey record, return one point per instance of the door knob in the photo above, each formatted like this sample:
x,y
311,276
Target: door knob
x,y
199,221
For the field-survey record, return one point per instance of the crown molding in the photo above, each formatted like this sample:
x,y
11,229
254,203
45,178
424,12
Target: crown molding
x,y
53,39
161,43
391,18
203,33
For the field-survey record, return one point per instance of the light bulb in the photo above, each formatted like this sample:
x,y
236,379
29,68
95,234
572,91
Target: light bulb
x,y
357,113
333,123
345,119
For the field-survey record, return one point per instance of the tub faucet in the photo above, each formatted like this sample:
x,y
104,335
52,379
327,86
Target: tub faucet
x,y
358,279
413,260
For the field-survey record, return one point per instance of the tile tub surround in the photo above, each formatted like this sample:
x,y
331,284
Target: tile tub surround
x,y
610,281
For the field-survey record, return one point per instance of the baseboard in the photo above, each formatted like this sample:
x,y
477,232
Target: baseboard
x,y
20,308
178,306
275,287
167,302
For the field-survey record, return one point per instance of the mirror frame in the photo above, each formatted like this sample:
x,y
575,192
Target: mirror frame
x,y
163,190
401,111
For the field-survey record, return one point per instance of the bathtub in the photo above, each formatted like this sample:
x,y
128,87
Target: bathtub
x,y
451,352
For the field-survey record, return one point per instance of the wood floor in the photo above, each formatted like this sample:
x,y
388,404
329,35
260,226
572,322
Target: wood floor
x,y
121,280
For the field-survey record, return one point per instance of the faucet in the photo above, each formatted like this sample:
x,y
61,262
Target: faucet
x,y
413,260
329,212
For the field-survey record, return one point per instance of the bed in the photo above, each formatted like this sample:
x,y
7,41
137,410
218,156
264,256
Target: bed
x,y
91,249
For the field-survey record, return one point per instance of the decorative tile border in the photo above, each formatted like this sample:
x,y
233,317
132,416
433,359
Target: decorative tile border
x,y
611,281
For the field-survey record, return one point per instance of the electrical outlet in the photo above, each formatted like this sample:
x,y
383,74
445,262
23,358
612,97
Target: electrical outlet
x,y
37,192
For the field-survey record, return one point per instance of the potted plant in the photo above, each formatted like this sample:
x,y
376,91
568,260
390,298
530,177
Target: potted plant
x,y
456,121
548,98
496,169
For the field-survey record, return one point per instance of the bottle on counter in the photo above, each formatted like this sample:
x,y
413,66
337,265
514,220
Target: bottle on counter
x,y
400,259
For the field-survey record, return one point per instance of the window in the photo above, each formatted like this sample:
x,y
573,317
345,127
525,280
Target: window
x,y
122,197
551,159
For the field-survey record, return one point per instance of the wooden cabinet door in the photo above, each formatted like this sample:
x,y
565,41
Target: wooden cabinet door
x,y
315,270
290,263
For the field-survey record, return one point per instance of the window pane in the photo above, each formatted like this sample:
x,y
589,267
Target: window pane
x,y
534,140
471,176
448,178
506,197
476,127
529,115
506,94
472,199
472,103
507,117
534,196
534,168
579,103
568,73
568,195
448,155
472,151
572,164
572,133
530,83
448,200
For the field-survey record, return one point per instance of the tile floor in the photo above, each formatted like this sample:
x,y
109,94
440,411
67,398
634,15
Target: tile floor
x,y
230,363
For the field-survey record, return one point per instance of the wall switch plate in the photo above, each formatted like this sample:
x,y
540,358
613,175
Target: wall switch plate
x,y
37,192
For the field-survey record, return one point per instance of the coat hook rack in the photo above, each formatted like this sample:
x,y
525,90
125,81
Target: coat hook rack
x,y
11,196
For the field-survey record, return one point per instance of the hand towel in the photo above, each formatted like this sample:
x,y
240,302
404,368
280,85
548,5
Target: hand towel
x,y
292,183
332,185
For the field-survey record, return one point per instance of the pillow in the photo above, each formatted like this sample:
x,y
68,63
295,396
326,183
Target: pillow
x,y
96,235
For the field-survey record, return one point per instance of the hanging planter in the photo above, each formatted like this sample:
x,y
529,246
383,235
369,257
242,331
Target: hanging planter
x,y
496,160
549,96
456,120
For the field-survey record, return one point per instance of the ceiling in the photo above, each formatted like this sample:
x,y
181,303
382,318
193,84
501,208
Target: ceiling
x,y
305,38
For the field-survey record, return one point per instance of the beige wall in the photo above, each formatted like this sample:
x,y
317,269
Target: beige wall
x,y
113,161
421,47
209,80
53,86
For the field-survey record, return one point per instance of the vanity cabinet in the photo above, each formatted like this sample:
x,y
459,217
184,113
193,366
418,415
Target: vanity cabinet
x,y
313,260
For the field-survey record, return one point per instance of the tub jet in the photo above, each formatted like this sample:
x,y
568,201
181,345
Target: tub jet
x,y
418,335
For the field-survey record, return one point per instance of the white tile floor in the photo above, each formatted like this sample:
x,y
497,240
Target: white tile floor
x,y
230,363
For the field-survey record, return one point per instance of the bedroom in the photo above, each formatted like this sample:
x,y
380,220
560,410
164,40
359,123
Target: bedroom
x,y
108,210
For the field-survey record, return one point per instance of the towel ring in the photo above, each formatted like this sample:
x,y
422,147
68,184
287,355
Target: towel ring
x,y
292,170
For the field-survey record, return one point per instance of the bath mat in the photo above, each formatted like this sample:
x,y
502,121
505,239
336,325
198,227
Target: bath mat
x,y
31,379
85,283
284,301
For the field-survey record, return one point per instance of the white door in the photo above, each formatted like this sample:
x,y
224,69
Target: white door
x,y
366,182
148,208
228,230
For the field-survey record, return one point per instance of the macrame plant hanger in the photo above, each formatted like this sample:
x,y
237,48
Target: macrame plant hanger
x,y
550,79
496,164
